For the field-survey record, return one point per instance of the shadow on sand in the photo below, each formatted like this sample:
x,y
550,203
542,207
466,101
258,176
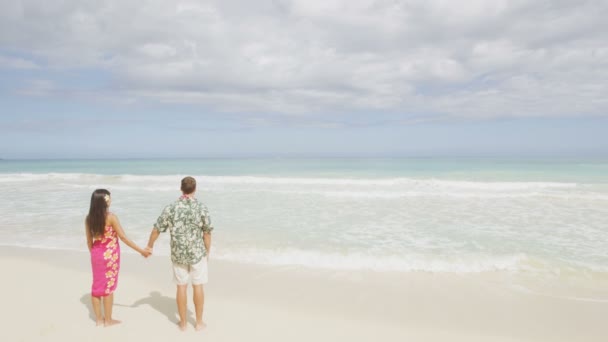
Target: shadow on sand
x,y
163,304
86,300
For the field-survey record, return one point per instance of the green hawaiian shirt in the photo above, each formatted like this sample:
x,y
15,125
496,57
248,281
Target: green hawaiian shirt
x,y
186,219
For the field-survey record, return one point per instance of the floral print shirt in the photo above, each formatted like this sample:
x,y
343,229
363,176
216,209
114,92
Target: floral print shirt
x,y
186,219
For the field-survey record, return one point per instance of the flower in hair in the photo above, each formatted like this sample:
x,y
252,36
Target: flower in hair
x,y
107,198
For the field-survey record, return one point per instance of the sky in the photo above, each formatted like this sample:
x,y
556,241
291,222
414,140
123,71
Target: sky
x,y
157,79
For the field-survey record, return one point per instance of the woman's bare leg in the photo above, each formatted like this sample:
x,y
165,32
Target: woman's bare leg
x,y
108,302
96,302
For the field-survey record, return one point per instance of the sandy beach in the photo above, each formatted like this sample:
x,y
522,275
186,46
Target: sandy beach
x,y
46,298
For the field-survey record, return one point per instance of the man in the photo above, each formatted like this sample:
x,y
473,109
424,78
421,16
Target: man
x,y
190,227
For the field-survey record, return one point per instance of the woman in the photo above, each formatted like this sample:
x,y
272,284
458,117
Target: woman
x,y
102,230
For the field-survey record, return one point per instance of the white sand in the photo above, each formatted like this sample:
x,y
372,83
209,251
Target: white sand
x,y
45,297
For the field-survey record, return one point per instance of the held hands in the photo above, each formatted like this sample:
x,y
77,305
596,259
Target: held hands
x,y
146,252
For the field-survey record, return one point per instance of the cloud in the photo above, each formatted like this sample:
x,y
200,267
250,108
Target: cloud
x,y
39,87
472,60
60,125
7,62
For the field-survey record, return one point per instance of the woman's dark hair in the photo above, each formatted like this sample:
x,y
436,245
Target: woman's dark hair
x,y
97,212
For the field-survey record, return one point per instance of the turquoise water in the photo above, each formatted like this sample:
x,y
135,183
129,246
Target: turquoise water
x,y
581,170
441,215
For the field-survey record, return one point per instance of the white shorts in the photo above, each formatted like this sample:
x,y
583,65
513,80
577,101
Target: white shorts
x,y
197,273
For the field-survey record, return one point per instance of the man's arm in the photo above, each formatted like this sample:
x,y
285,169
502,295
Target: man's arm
x,y
163,223
207,229
207,241
153,236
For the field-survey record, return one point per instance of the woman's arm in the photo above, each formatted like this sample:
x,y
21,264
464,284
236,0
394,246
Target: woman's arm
x,y
123,237
88,233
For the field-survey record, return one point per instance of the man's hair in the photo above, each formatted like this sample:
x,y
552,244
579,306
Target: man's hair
x,y
188,185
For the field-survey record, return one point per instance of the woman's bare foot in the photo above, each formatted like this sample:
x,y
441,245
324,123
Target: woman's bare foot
x,y
100,322
200,326
112,322
182,326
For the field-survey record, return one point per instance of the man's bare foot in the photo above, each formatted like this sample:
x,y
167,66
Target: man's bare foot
x,y
100,322
182,326
112,322
200,326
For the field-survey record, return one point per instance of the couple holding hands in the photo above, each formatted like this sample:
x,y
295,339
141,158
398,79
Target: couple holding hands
x,y
190,227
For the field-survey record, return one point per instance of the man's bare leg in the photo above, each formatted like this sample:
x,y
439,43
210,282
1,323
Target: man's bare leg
x,y
108,303
181,297
199,301
96,302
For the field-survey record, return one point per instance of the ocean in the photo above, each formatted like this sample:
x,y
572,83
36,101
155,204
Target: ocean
x,y
462,215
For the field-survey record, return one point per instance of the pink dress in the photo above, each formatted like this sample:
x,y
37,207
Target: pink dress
x,y
105,261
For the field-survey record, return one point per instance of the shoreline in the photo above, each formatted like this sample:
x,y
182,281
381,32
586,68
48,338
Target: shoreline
x,y
529,269
283,302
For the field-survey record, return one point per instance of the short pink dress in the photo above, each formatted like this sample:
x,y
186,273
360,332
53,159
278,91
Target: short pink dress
x,y
105,262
